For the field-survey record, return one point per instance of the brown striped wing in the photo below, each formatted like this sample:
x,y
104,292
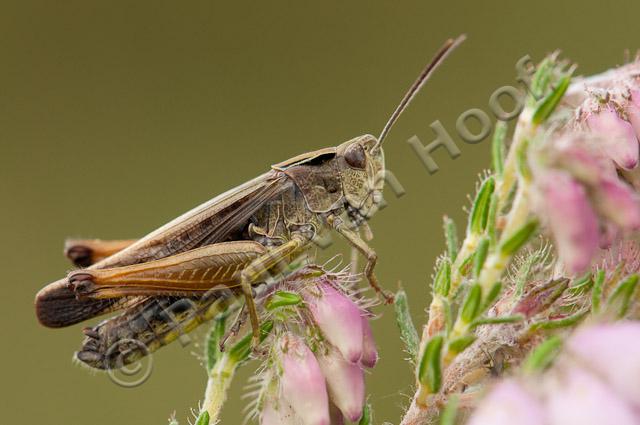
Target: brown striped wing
x,y
212,222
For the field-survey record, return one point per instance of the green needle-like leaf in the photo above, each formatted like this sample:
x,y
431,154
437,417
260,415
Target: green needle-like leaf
x,y
596,292
283,299
203,419
408,332
581,285
481,256
367,415
527,264
520,237
241,350
472,303
569,321
430,365
621,297
500,320
492,219
542,356
212,348
442,279
459,344
480,208
448,415
497,147
491,297
541,78
549,103
522,157
448,315
451,236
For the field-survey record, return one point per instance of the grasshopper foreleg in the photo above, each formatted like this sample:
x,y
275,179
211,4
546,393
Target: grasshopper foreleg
x,y
358,243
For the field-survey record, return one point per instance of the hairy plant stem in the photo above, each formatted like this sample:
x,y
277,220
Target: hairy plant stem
x,y
509,342
514,175
218,383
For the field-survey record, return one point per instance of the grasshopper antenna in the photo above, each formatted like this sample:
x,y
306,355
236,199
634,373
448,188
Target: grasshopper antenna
x,y
444,51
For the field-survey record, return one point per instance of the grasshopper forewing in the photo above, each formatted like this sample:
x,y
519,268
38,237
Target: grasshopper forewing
x,y
237,239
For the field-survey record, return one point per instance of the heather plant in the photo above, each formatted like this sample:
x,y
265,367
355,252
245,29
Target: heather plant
x,y
532,309
549,247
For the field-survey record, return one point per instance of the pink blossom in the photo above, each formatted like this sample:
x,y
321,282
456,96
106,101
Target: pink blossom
x,y
302,382
282,415
579,398
573,223
339,319
618,202
618,137
506,404
345,381
369,350
577,155
613,352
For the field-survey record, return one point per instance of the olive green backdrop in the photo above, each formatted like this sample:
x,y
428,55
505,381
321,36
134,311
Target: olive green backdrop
x,y
117,116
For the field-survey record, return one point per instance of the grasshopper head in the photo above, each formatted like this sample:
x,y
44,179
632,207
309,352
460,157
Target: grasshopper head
x,y
361,160
362,170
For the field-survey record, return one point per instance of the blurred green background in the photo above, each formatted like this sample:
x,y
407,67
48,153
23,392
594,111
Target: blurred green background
x,y
117,116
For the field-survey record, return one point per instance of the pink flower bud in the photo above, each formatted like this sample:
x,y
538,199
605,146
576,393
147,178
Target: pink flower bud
x,y
369,350
577,155
345,381
302,383
618,137
283,414
612,351
565,205
618,202
508,403
579,398
339,319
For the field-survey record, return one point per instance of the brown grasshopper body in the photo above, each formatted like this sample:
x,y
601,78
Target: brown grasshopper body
x,y
234,241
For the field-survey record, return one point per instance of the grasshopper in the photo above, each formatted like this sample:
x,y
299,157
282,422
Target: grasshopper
x,y
235,240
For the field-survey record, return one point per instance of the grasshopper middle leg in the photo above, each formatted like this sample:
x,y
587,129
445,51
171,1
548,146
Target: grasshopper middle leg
x,y
255,272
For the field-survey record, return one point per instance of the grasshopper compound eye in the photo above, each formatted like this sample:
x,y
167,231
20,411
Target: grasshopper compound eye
x,y
355,156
